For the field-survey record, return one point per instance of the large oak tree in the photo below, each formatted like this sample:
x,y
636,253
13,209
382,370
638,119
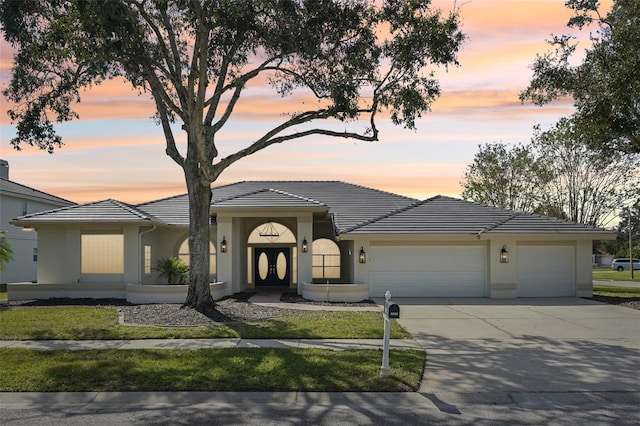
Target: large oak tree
x,y
196,59
605,86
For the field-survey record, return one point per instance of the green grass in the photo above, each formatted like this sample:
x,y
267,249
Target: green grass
x,y
83,323
608,274
239,369
3,292
615,291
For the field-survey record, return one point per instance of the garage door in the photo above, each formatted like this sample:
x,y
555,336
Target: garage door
x,y
545,271
428,271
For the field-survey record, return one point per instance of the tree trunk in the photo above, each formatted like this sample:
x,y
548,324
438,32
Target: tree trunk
x,y
199,190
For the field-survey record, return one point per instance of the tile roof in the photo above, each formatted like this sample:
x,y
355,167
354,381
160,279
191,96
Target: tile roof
x,y
267,198
8,187
105,211
349,204
172,210
354,209
446,215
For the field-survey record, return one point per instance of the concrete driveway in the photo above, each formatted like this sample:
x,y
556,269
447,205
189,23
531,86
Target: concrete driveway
x,y
519,350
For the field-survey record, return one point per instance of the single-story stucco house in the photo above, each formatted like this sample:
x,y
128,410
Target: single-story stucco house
x,y
329,240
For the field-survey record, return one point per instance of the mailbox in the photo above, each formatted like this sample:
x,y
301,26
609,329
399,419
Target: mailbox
x,y
392,310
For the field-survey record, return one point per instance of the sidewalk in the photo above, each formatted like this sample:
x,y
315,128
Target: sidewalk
x,y
619,283
333,344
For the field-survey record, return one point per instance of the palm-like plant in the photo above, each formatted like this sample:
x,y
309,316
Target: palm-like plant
x,y
5,251
173,269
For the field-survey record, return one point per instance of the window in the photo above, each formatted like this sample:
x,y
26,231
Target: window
x,y
147,260
271,233
35,254
102,254
183,254
24,208
326,259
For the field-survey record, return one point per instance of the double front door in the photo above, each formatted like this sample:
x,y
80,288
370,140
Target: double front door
x,y
272,266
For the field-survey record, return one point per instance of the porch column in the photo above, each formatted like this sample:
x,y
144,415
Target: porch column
x,y
305,230
225,260
132,255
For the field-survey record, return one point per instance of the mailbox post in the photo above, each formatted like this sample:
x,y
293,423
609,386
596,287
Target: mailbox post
x,y
391,313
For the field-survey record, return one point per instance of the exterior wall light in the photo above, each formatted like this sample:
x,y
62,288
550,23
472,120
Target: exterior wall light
x,y
27,228
504,255
305,245
362,257
223,245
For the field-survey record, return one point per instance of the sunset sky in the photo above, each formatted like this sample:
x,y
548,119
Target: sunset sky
x,y
116,151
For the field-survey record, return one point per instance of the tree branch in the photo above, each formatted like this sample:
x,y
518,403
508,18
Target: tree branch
x,y
270,138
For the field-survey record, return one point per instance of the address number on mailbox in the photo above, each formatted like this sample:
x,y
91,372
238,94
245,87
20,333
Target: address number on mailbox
x,y
392,310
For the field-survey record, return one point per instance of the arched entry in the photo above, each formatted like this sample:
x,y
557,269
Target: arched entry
x,y
272,266
272,246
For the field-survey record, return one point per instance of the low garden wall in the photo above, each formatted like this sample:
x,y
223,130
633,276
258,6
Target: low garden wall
x,y
29,291
133,293
141,294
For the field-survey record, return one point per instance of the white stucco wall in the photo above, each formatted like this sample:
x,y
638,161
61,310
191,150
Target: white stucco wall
x,y
21,268
502,276
584,274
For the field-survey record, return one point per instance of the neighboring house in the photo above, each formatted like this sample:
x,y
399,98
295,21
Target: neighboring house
x,y
18,200
329,240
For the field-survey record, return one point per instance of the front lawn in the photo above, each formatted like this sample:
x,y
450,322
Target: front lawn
x,y
239,369
87,323
606,274
615,291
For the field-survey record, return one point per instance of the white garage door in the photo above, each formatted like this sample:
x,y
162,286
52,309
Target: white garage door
x,y
545,271
428,271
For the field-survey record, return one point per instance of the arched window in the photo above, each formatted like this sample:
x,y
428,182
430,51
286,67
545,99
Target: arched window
x,y
271,233
183,254
326,259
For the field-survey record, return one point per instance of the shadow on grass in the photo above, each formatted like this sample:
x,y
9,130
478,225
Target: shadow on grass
x,y
237,369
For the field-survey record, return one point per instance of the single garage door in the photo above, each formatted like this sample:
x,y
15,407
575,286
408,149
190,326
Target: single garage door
x,y
545,271
428,271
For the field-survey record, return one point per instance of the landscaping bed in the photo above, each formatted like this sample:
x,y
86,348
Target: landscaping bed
x,y
628,297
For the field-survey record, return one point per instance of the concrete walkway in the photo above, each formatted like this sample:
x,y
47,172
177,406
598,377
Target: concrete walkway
x,y
333,344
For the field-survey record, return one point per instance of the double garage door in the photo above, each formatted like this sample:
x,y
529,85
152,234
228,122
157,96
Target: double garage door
x,y
461,271
428,271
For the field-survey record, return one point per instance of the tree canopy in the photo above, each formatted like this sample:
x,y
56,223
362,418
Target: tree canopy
x,y
628,217
557,174
605,86
509,178
355,59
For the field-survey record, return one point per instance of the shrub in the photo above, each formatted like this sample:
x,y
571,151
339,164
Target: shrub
x,y
173,269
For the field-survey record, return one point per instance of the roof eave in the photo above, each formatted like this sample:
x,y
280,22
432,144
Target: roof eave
x,y
35,222
260,210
